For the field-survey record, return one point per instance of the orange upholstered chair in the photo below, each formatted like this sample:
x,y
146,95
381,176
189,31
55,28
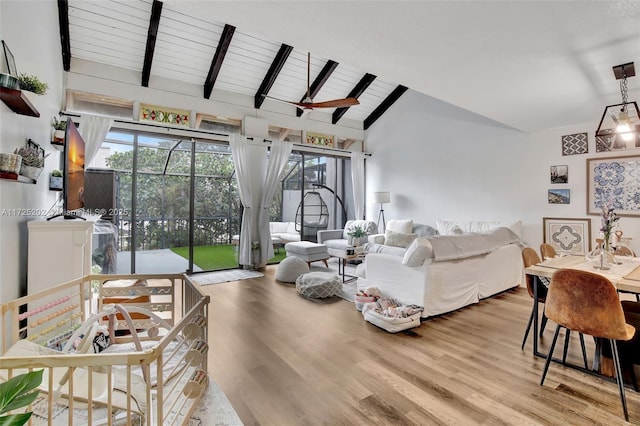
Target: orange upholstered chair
x,y
588,303
547,251
530,257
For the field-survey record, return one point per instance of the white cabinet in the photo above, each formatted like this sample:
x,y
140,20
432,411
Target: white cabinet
x,y
59,251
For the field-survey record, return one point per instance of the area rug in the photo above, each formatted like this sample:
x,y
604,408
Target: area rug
x,y
214,409
225,276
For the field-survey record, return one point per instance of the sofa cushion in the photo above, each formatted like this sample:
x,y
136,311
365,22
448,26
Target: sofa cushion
x,y
419,251
338,244
448,227
398,239
381,248
400,225
291,228
278,227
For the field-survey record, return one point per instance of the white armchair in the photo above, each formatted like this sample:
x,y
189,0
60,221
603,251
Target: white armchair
x,y
336,240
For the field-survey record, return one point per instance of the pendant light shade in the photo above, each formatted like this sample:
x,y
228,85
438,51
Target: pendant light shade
x,y
620,123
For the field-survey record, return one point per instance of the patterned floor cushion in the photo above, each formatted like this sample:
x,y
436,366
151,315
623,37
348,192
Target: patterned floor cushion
x,y
316,285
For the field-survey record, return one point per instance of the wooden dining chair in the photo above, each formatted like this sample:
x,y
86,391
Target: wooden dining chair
x,y
588,303
530,257
624,251
547,251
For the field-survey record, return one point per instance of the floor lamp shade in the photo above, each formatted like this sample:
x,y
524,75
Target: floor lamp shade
x,y
381,197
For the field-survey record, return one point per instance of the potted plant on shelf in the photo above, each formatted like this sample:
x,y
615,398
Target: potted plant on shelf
x,y
32,161
31,83
355,234
59,128
55,180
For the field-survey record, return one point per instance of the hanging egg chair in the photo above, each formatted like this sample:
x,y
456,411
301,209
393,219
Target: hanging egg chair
x,y
312,216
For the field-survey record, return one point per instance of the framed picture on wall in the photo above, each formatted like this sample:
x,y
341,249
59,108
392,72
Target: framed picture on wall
x,y
559,174
567,235
558,196
614,179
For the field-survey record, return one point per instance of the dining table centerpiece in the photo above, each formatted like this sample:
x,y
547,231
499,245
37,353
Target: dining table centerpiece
x,y
603,255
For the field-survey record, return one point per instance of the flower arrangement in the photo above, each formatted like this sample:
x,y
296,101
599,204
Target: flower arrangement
x,y
609,221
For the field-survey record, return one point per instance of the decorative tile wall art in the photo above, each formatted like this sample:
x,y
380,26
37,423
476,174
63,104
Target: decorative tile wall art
x,y
165,115
558,196
559,174
615,179
566,235
575,144
320,139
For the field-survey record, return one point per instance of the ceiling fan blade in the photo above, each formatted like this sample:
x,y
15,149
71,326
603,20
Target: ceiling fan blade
x,y
281,100
335,103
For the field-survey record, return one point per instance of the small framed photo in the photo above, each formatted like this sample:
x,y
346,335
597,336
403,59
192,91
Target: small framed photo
x,y
559,174
567,235
558,196
11,62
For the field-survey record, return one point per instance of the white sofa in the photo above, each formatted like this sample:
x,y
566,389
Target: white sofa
x,y
442,286
285,231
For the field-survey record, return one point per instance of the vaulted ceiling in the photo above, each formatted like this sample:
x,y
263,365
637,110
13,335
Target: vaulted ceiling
x,y
530,65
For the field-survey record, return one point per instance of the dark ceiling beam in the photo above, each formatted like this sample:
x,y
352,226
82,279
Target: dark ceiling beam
x,y
384,105
154,23
317,84
218,58
272,74
355,93
63,22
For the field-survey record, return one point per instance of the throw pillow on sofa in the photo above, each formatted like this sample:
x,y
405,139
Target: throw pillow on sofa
x,y
398,239
419,251
398,225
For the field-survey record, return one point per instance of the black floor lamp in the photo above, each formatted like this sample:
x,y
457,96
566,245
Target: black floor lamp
x,y
382,198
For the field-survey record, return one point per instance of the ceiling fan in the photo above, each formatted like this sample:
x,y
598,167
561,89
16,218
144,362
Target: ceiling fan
x,y
308,104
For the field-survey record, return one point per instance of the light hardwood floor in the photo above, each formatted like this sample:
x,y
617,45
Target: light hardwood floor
x,y
285,360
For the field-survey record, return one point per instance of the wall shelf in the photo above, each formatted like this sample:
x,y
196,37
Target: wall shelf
x,y
16,177
18,102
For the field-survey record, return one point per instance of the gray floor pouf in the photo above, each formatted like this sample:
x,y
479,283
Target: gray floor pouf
x,y
316,285
290,269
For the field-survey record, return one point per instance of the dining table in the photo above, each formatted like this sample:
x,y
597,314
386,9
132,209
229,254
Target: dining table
x,y
624,274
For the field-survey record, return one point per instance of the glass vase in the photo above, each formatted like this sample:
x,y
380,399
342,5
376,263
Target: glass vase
x,y
602,258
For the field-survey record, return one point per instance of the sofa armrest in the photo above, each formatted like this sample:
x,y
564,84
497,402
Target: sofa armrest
x,y
329,234
376,239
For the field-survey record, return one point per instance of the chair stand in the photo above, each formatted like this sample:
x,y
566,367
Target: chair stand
x,y
542,325
616,362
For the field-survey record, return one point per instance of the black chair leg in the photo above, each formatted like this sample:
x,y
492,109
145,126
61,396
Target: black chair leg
x,y
567,336
543,324
619,378
550,355
584,351
637,297
526,333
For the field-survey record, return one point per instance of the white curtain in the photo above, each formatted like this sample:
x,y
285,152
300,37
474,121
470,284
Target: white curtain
x,y
357,179
246,160
93,130
280,152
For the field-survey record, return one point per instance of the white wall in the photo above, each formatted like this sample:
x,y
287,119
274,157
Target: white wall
x,y
442,162
33,37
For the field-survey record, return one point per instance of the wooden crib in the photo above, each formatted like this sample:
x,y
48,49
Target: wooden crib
x,y
153,371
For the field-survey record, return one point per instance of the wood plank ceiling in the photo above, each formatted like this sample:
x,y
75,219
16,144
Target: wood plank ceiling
x,y
160,39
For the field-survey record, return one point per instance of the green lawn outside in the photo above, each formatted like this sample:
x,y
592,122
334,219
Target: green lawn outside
x,y
222,256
